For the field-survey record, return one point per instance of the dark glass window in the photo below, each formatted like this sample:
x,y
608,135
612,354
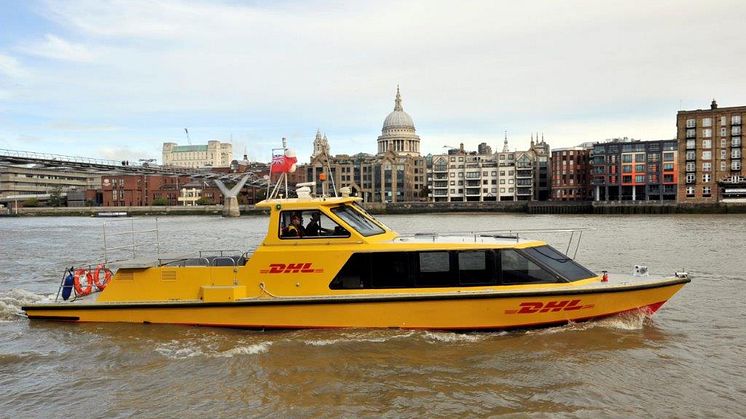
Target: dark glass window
x,y
477,267
517,269
435,270
390,270
559,263
357,221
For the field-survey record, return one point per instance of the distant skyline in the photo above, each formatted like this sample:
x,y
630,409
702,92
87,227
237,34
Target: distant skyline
x,y
117,79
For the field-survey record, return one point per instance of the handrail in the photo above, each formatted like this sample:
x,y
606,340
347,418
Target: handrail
x,y
513,234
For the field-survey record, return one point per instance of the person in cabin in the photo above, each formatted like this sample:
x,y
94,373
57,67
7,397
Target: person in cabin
x,y
295,229
314,226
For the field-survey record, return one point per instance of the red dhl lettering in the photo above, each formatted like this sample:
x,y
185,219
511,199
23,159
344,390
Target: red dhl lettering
x,y
549,306
290,268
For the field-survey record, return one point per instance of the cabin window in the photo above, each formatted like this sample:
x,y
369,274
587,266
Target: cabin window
x,y
477,267
357,221
465,268
559,263
435,270
309,224
517,269
389,270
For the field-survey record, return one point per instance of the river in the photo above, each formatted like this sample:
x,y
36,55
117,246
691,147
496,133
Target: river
x,y
687,360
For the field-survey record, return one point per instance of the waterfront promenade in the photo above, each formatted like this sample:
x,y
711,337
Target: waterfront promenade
x,y
529,207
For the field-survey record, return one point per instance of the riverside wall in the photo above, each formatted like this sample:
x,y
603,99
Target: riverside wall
x,y
529,207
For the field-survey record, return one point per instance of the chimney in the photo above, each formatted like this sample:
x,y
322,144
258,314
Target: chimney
x,y
713,105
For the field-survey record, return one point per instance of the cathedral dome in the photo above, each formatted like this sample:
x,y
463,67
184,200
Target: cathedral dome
x,y
398,133
398,119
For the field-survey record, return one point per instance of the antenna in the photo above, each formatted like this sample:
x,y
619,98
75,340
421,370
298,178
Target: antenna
x,y
189,140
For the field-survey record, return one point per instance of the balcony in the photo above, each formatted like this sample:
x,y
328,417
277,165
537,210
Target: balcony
x,y
473,191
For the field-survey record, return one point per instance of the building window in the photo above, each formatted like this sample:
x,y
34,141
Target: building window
x,y
706,191
735,142
723,143
735,165
707,167
668,156
626,179
706,143
691,133
723,154
640,178
723,131
453,183
735,120
706,122
502,190
707,155
453,174
723,165
667,167
626,158
690,191
735,153
735,131
691,123
639,168
706,177
640,157
723,120
706,132
691,144
690,178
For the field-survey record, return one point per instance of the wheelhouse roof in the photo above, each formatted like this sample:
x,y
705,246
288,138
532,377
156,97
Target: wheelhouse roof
x,y
291,203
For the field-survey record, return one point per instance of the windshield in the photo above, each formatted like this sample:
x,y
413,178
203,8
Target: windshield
x,y
360,208
357,221
556,261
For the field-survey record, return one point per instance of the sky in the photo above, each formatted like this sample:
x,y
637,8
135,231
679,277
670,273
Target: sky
x,y
115,79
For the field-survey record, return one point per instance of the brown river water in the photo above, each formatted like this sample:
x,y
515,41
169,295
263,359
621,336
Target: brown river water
x,y
689,360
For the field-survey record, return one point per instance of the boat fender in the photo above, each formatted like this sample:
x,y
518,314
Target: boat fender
x,y
82,273
67,286
101,284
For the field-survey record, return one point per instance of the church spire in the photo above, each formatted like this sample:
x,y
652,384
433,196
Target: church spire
x,y
505,143
397,102
532,139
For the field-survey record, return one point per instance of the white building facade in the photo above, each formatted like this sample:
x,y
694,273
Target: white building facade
x,y
213,154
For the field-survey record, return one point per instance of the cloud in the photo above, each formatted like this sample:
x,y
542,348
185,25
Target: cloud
x,y
576,69
122,153
67,125
57,48
11,68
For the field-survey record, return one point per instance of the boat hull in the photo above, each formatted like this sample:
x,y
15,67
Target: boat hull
x,y
443,311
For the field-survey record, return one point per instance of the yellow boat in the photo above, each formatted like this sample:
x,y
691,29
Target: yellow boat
x,y
327,263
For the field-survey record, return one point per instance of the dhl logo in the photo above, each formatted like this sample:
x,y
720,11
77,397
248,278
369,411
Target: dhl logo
x,y
290,268
553,306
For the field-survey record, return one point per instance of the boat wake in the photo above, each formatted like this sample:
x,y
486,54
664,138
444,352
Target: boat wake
x,y
363,336
632,320
12,301
177,349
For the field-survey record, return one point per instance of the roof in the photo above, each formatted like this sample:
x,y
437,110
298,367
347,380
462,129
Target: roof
x,y
188,148
305,203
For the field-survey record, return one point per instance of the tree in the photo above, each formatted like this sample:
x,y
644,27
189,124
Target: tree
x,y
203,201
160,202
55,197
30,203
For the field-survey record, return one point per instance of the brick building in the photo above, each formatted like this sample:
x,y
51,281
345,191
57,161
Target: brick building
x,y
710,152
571,174
141,190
